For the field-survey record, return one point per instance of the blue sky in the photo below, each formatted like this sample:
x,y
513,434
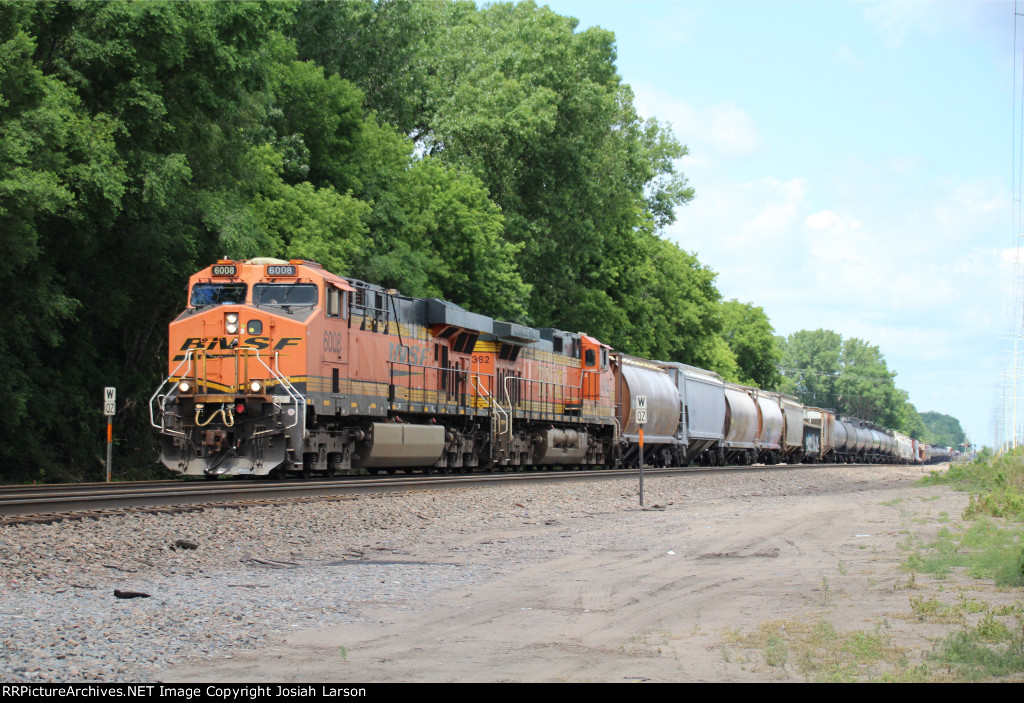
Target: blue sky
x,y
853,164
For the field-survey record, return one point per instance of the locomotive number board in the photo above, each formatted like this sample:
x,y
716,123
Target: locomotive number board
x,y
279,270
225,270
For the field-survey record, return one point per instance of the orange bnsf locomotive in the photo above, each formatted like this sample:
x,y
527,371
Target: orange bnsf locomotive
x,y
280,366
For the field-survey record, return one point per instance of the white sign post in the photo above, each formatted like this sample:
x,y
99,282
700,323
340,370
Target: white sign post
x,y
640,408
109,408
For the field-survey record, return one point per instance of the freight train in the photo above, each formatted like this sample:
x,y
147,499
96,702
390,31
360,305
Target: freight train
x,y
282,367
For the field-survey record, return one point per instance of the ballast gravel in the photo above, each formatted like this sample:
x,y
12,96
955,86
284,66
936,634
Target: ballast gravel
x,y
221,580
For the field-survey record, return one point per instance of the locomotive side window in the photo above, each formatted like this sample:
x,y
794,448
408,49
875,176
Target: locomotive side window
x,y
288,295
217,294
333,302
590,358
337,303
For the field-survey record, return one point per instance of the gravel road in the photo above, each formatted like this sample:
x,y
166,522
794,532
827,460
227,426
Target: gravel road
x,y
225,580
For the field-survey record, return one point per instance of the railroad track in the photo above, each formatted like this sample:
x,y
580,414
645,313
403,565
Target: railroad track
x,y
51,503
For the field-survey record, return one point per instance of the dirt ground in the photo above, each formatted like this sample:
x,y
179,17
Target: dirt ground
x,y
652,595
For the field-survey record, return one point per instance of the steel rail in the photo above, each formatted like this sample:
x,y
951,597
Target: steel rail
x,y
71,498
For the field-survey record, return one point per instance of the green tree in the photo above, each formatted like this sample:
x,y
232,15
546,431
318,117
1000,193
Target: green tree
x,y
60,178
537,112
749,334
865,386
381,46
810,366
945,429
159,102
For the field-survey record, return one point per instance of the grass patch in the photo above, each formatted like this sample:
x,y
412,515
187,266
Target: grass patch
x,y
818,652
935,610
984,549
998,483
989,649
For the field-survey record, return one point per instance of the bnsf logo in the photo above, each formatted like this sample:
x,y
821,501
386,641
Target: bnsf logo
x,y
224,344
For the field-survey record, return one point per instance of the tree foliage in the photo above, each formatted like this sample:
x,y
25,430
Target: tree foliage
x,y
750,336
945,429
491,156
849,376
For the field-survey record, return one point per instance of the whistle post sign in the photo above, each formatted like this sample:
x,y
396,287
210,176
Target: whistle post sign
x,y
109,400
640,406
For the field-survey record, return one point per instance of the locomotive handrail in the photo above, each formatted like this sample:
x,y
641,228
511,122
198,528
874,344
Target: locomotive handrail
x,y
275,373
152,421
436,391
503,416
300,401
571,397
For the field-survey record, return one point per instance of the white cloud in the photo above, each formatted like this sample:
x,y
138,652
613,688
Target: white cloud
x,y
731,130
719,130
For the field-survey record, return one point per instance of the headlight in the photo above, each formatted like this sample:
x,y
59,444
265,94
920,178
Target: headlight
x,y
255,386
231,325
184,387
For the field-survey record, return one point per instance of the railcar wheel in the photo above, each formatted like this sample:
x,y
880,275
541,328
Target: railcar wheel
x,y
308,462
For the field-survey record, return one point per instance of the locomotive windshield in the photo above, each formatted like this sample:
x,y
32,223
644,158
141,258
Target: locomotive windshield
x,y
217,293
285,294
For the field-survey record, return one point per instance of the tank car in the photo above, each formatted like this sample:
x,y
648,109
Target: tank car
x,y
281,366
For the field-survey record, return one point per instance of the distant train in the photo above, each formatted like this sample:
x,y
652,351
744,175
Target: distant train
x,y
280,367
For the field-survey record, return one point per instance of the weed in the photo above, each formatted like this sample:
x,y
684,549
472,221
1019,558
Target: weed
x,y
842,568
989,649
776,651
992,630
910,584
934,610
819,652
983,550
343,653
